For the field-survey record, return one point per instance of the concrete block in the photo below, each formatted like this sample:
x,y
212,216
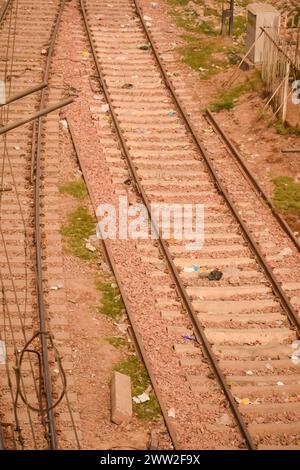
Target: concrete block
x,y
121,400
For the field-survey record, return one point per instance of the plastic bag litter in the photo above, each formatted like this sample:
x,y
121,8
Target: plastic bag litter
x,y
145,47
191,338
171,113
2,352
191,269
215,275
286,252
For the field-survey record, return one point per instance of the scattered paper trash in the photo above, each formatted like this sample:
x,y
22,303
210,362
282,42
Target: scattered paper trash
x,y
280,383
122,327
224,419
2,352
56,286
141,398
104,108
171,413
17,147
296,344
64,123
44,51
245,401
286,252
147,18
90,247
296,358
249,372
269,366
191,269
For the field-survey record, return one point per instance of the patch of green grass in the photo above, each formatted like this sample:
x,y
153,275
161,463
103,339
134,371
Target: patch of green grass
x,y
284,129
199,54
117,341
239,25
208,11
228,98
80,226
182,2
132,366
111,301
206,28
74,188
286,194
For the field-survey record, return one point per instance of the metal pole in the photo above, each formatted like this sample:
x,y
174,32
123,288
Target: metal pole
x,y
231,9
39,114
24,93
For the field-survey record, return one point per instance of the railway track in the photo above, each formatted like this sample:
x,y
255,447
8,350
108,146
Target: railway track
x,y
246,324
29,387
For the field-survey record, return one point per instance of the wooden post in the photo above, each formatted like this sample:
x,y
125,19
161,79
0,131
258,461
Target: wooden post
x,y
231,10
285,91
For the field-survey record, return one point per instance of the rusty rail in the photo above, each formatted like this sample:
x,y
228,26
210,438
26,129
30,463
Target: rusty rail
x,y
199,331
38,244
250,176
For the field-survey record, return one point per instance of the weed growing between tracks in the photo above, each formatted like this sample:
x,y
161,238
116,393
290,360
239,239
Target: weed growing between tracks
x,y
132,366
117,341
79,227
111,300
76,189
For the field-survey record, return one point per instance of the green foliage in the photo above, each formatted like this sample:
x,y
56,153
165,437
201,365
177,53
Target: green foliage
x,y
284,129
117,341
80,226
132,366
286,195
74,188
228,98
111,300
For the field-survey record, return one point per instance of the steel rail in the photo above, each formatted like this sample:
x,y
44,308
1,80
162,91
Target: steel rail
x,y
4,10
250,176
38,243
284,300
110,261
199,330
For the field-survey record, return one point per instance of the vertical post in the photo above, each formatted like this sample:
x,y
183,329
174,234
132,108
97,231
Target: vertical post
x,y
231,10
285,91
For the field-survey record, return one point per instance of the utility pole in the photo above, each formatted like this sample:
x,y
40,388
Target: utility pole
x,y
227,13
231,13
